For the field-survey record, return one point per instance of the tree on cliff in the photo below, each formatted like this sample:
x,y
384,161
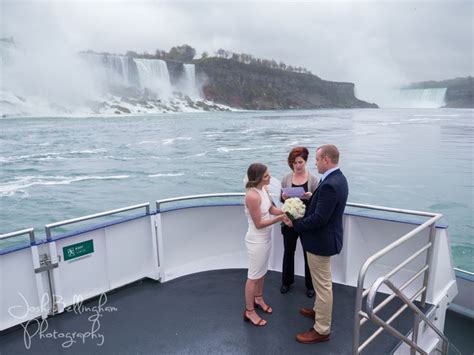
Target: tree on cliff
x,y
132,54
184,53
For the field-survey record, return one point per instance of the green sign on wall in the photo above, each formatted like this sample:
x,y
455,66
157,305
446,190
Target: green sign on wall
x,y
77,250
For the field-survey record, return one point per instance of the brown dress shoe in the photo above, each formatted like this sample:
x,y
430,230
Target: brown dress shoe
x,y
307,312
311,337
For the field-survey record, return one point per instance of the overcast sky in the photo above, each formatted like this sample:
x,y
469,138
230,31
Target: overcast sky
x,y
375,44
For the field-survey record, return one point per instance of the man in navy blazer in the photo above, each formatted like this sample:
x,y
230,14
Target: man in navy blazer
x,y
321,235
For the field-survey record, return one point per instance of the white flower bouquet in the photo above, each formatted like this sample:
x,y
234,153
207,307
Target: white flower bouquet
x,y
294,208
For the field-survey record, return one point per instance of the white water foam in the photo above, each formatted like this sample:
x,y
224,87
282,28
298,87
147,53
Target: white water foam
x,y
168,141
166,175
89,151
51,155
25,182
227,150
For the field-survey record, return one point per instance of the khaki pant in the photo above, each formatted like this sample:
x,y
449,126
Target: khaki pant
x,y
320,267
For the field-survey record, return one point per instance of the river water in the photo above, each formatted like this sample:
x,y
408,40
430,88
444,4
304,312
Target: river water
x,y
54,168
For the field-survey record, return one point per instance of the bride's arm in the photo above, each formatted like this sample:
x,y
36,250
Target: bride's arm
x,y
273,209
252,201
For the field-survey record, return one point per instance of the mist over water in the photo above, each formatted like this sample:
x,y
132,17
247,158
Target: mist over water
x,y
49,81
58,77
53,169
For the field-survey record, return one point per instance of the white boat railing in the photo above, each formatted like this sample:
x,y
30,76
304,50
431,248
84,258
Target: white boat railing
x,y
42,274
50,226
408,303
361,317
194,197
30,231
152,245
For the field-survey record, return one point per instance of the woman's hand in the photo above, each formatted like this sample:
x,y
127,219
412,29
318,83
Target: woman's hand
x,y
284,196
279,218
306,196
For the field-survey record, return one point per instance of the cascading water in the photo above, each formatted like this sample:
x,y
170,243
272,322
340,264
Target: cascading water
x,y
420,98
189,85
113,69
153,75
118,64
97,83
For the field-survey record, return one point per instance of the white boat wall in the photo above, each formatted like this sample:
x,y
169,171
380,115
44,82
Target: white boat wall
x,y
463,303
206,232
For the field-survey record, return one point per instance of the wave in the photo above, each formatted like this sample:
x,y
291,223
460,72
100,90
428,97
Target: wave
x,y
168,141
432,115
166,175
28,157
25,182
364,133
51,155
205,173
184,157
89,151
113,157
227,150
190,156
423,119
141,143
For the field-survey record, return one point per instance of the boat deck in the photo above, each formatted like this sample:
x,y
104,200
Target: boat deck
x,y
196,314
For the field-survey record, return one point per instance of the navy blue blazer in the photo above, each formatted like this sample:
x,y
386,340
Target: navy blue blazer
x,y
321,227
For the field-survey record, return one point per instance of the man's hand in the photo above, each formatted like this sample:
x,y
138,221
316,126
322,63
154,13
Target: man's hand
x,y
287,221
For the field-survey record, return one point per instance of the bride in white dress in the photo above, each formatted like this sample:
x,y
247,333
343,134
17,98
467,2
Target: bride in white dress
x,y
261,214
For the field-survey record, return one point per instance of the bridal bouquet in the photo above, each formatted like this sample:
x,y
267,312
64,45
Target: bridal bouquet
x,y
294,208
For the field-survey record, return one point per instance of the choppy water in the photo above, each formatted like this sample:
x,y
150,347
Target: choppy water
x,y
59,168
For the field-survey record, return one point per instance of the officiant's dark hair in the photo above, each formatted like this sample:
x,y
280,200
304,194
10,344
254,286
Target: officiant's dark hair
x,y
295,153
255,174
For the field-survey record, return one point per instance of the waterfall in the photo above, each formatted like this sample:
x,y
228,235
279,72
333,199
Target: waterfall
x,y
118,64
7,50
150,76
420,98
189,84
153,75
113,68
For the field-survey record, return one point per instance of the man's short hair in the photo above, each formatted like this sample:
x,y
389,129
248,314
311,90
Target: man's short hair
x,y
330,151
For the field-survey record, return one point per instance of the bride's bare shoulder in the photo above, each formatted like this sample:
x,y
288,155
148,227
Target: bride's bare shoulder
x,y
252,196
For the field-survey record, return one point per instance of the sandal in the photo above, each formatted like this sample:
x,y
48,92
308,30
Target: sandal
x,y
267,309
262,322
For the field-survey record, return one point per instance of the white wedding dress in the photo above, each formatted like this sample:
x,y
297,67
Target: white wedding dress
x,y
258,241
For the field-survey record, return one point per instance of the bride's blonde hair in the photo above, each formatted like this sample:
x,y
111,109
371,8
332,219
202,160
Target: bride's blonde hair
x,y
255,174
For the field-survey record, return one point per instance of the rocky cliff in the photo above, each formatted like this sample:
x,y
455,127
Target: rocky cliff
x,y
257,87
459,93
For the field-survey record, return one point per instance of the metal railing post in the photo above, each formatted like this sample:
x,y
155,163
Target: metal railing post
x,y
431,223
409,303
429,262
356,333
416,325
29,231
